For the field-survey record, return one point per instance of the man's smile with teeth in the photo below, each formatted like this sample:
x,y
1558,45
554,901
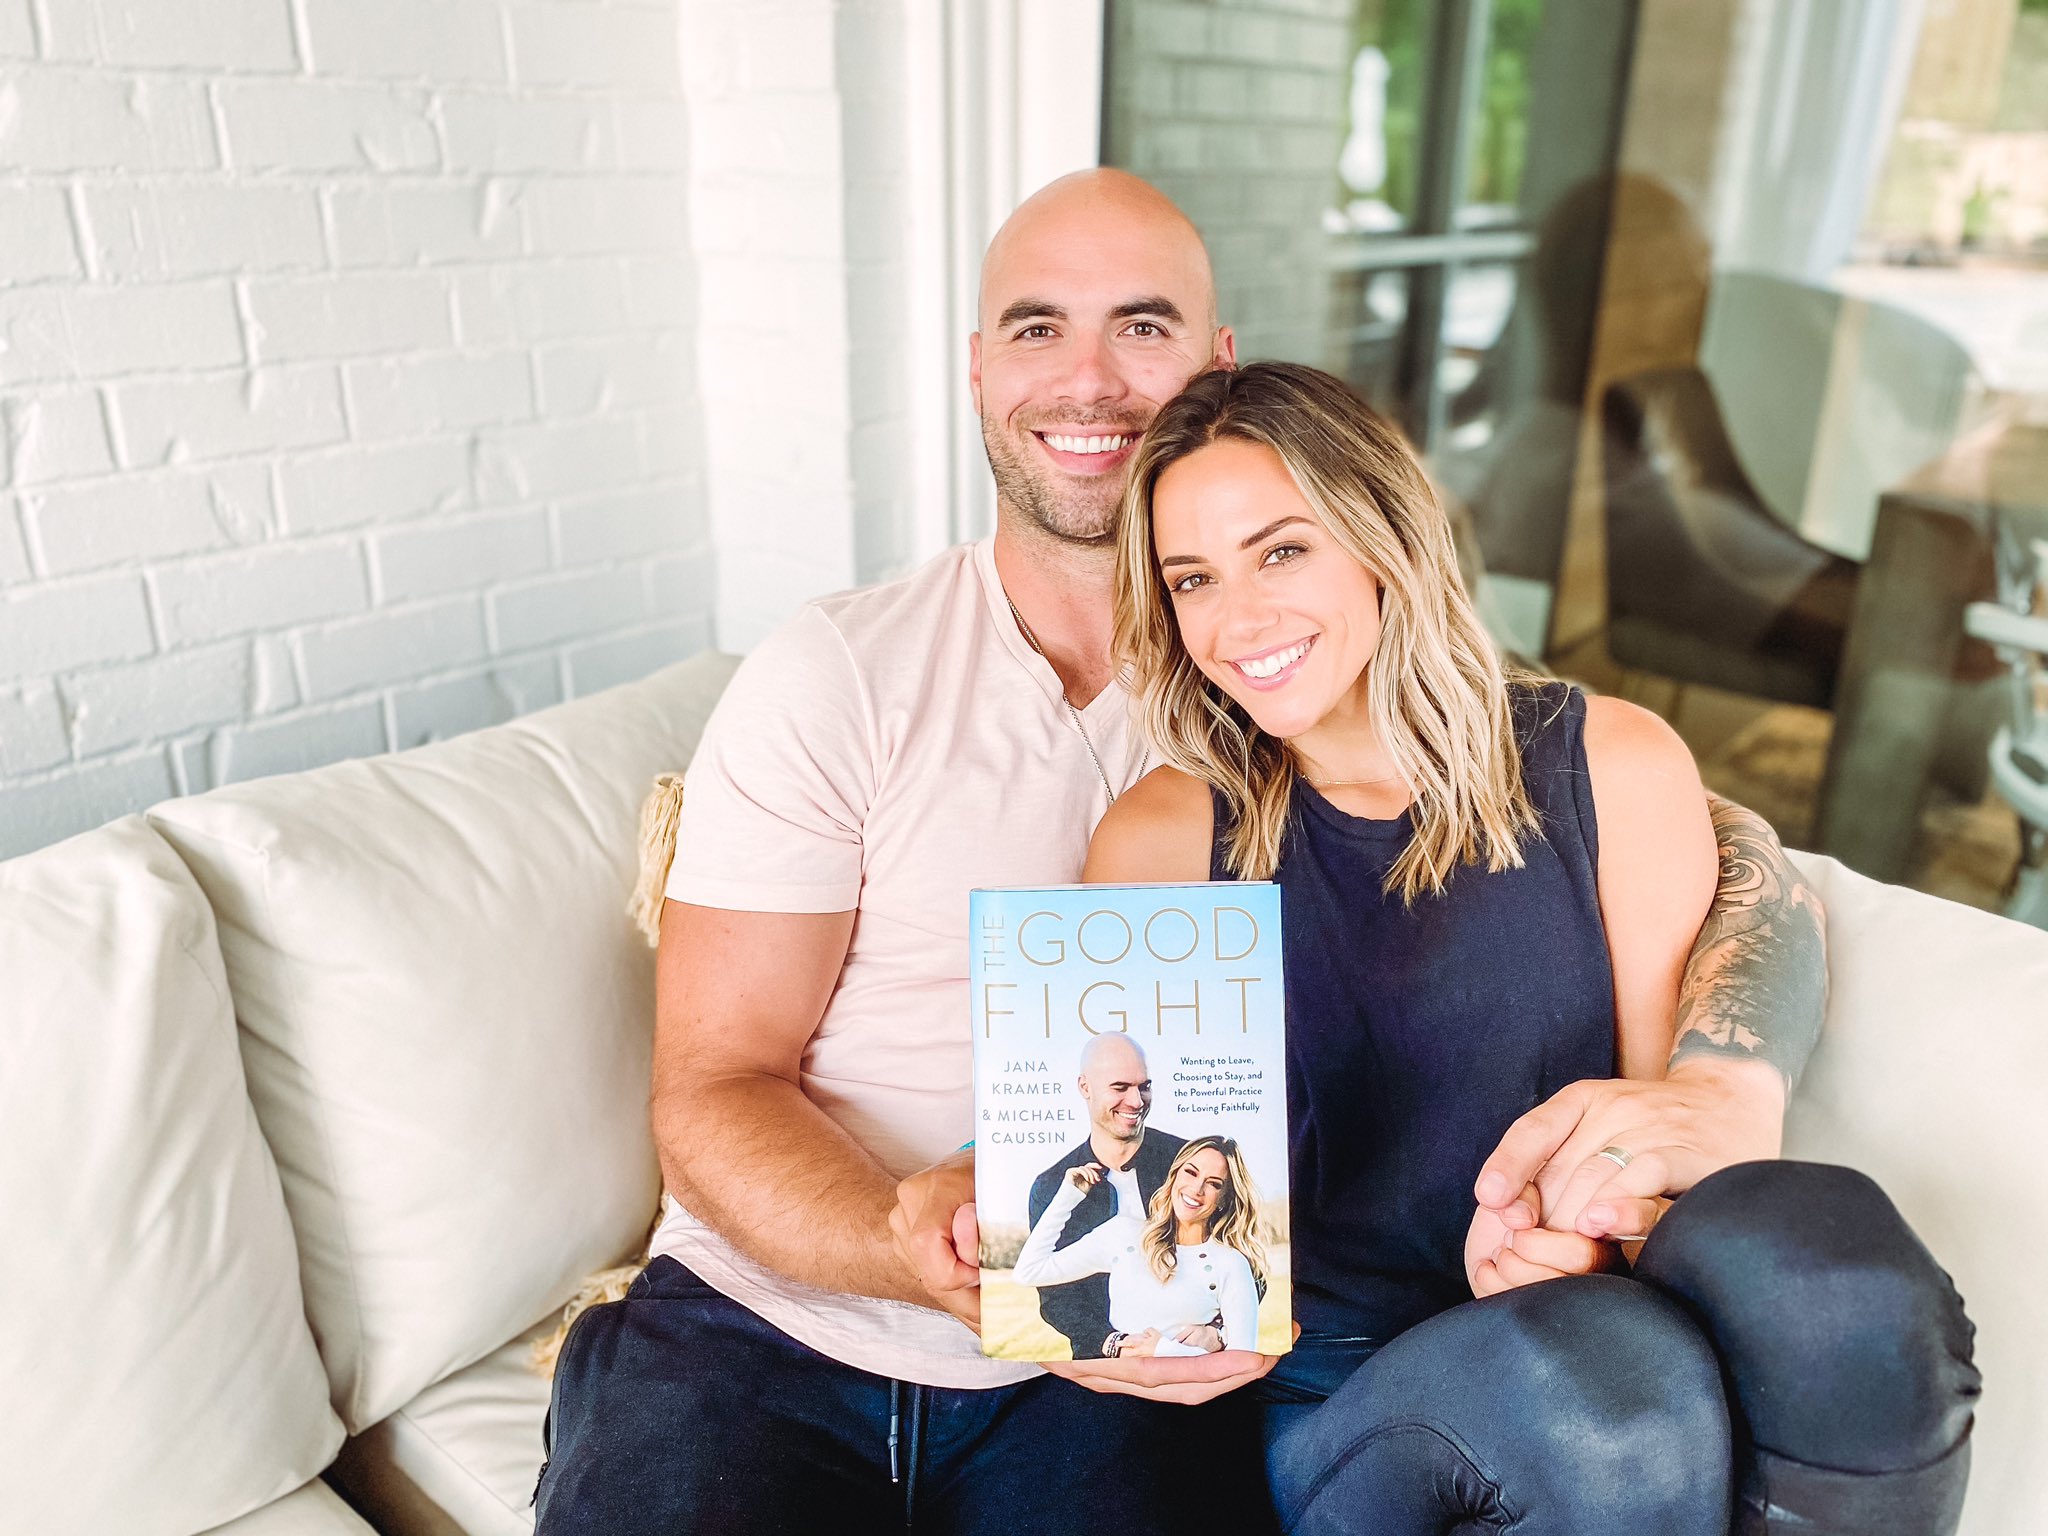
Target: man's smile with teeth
x,y
1273,662
1067,443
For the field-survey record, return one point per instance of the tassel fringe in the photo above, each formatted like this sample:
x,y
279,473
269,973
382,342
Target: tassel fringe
x,y
604,1286
658,817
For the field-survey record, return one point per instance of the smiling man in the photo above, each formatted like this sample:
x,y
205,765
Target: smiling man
x,y
800,1354
781,1365
1116,1085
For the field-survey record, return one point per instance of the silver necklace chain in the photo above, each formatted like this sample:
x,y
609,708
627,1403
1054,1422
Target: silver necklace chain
x,y
1073,714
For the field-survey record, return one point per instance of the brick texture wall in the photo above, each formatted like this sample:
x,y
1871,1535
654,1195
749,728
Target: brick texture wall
x,y
348,379
801,194
1237,110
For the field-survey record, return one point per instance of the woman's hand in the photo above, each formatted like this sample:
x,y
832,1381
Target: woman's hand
x,y
1085,1177
1199,1336
1505,1248
1139,1346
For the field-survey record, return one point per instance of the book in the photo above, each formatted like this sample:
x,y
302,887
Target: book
x,y
1130,1119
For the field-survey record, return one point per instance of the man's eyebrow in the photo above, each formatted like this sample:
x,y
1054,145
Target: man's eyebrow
x,y
1264,533
1029,309
1153,304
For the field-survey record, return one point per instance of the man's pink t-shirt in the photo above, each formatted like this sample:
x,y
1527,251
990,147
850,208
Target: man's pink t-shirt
x,y
887,751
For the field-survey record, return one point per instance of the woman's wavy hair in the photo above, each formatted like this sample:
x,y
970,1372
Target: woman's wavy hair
x,y
1234,1222
1437,690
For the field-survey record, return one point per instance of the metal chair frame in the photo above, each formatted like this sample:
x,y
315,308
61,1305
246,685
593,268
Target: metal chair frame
x,y
2016,627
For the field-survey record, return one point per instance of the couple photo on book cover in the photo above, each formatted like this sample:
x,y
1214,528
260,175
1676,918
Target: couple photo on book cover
x,y
1131,1162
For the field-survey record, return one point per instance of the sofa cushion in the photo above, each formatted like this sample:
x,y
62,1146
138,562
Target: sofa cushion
x,y
159,1373
1929,1078
314,1510
447,1018
465,1453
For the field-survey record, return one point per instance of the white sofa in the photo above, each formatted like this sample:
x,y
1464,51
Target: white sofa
x,y
225,1248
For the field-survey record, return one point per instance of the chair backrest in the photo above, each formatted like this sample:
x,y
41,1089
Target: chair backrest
x,y
1829,399
1675,496
2017,626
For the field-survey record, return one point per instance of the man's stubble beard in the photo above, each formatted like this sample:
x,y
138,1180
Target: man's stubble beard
x,y
1137,1135
1070,514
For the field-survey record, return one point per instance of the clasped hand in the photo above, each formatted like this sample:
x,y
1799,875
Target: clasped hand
x,y
1550,1205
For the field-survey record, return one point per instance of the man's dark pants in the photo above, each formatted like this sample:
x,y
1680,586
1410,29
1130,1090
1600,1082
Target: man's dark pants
x,y
679,1411
1789,1356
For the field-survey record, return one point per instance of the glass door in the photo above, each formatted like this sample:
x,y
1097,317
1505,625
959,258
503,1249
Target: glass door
x,y
1414,195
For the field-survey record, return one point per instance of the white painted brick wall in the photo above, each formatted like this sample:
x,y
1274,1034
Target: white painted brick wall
x,y
202,34
14,567
148,230
17,30
348,378
1237,110
422,712
302,125
35,233
765,133
55,433
321,492
62,121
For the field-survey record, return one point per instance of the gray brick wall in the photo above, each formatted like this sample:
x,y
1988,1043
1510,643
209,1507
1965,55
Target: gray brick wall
x,y
1237,110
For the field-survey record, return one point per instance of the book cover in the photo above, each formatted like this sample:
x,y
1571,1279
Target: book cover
x,y
1130,1107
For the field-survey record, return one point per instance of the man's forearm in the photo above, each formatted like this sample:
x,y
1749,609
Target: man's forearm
x,y
1756,983
771,1173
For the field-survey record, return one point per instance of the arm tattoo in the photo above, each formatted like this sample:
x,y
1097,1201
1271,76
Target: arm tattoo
x,y
1756,983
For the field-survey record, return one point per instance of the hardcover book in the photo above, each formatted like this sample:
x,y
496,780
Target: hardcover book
x,y
1130,1107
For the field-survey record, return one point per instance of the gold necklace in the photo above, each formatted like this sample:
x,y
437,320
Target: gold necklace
x,y
1073,714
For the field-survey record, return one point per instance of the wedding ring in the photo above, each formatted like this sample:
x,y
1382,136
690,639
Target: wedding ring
x,y
1621,1157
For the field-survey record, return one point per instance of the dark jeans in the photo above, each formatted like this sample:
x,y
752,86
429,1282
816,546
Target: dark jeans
x,y
1788,1355
678,1411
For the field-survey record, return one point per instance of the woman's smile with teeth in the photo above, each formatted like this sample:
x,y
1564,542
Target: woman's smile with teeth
x,y
1272,663
1068,444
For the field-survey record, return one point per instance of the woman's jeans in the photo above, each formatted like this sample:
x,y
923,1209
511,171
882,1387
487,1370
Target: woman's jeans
x,y
1788,1357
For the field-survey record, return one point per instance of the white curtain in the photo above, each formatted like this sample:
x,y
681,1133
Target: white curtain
x,y
1812,115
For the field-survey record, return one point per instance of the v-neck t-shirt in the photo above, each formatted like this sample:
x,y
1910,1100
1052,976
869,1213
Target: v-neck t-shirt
x,y
885,752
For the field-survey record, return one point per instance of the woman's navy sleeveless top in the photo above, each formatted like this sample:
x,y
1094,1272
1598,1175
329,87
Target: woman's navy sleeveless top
x,y
1416,1036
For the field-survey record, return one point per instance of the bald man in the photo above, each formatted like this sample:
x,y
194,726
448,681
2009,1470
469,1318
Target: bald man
x,y
781,1365
1116,1085
801,1354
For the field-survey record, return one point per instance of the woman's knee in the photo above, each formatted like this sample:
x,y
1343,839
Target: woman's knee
x,y
1605,1373
1582,1405
1847,1345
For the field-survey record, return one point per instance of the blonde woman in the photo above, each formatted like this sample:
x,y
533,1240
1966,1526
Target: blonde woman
x,y
1185,1278
1490,884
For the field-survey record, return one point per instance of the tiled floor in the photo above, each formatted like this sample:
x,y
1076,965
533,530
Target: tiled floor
x,y
1769,757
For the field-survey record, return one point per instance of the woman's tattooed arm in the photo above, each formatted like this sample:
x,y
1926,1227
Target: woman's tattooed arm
x,y
1756,984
